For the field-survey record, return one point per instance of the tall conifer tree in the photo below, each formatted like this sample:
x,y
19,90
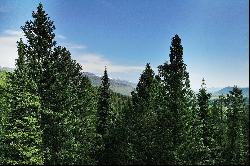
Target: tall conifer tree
x,y
103,117
142,127
203,101
218,125
59,80
235,104
177,97
103,105
204,127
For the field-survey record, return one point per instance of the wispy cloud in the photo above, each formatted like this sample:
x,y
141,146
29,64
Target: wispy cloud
x,y
8,47
93,62
60,37
73,46
15,33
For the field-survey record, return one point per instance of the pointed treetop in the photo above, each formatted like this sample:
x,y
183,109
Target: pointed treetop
x,y
105,78
148,65
105,72
145,82
203,91
40,5
21,54
203,84
176,39
176,50
40,28
176,36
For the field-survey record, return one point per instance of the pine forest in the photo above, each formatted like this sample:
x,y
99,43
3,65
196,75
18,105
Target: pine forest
x,y
50,114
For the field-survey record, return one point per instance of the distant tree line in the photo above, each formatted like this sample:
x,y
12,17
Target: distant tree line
x,y
50,113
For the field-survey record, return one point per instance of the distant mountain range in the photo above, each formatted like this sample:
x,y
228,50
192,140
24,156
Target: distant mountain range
x,y
119,86
125,87
224,91
213,89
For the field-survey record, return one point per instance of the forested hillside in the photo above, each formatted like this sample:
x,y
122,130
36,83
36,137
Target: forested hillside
x,y
51,114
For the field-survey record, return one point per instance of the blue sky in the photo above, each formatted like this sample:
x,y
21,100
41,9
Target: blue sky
x,y
126,34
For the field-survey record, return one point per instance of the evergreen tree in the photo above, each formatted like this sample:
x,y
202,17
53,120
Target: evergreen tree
x,y
59,81
203,100
103,105
50,114
4,109
245,136
204,117
177,97
40,38
22,134
144,118
141,96
235,104
218,126
103,119
116,142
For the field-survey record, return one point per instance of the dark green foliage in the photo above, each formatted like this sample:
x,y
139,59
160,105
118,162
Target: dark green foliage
x,y
218,125
203,99
235,105
51,114
204,125
143,119
141,96
39,34
63,93
245,136
22,132
177,97
116,141
103,120
103,106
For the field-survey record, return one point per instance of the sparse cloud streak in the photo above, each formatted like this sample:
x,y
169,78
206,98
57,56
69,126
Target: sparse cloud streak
x,y
91,62
60,37
96,62
73,46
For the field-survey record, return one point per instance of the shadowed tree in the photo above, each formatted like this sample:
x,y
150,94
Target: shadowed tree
x,y
218,126
103,113
204,124
235,105
203,101
143,119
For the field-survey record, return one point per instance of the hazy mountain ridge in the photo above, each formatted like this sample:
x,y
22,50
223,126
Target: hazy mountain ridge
x,y
125,87
120,86
224,91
